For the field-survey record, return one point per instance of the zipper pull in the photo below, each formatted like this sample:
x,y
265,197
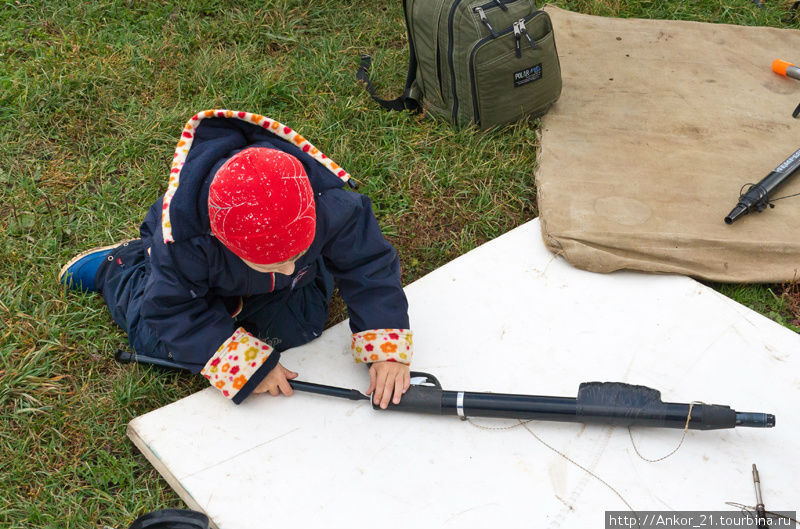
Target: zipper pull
x,y
517,39
485,21
501,4
524,31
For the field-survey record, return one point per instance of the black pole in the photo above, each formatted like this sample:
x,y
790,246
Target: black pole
x,y
597,402
331,391
564,409
758,196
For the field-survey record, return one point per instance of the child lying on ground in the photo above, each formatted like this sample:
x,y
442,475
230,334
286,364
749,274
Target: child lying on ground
x,y
237,260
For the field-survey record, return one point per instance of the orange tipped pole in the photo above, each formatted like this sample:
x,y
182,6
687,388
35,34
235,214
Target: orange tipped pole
x,y
786,69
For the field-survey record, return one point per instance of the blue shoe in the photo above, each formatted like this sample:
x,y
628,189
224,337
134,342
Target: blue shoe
x,y
78,273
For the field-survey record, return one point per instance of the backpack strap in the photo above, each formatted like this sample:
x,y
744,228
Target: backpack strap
x,y
405,101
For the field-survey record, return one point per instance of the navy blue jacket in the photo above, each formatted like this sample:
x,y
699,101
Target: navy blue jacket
x,y
191,279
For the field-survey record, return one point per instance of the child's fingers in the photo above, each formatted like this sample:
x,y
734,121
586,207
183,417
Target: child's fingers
x,y
387,396
371,387
286,389
263,386
398,388
406,380
384,390
287,372
377,391
273,390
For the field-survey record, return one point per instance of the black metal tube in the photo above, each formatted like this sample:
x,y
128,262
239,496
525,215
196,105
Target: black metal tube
x,y
509,406
597,402
757,197
756,420
331,391
564,409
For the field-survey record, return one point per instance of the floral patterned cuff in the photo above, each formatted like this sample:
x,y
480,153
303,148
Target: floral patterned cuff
x,y
379,345
239,365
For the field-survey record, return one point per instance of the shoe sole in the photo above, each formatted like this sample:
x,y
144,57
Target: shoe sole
x,y
87,252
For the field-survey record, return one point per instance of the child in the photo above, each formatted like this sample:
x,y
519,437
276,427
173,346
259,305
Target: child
x,y
236,262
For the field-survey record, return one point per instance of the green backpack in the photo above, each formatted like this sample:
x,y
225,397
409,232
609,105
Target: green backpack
x,y
476,61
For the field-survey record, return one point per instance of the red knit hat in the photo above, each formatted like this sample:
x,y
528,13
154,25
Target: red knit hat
x,y
261,206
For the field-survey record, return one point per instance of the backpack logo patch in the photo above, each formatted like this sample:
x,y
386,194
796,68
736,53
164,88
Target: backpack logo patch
x,y
528,75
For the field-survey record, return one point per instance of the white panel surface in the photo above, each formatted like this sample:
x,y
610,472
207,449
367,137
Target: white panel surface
x,y
507,317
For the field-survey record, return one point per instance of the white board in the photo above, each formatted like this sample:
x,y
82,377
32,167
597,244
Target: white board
x,y
506,317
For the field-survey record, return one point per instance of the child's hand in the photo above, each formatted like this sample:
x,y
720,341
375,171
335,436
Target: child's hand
x,y
277,382
386,378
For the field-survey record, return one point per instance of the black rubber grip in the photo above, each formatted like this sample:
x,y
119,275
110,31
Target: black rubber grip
x,y
420,399
713,417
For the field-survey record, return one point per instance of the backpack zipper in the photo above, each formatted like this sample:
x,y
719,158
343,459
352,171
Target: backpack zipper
x,y
524,31
411,46
485,20
450,58
517,35
494,3
439,72
497,3
502,4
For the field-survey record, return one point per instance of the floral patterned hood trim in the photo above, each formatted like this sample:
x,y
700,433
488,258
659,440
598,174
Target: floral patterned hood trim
x,y
275,127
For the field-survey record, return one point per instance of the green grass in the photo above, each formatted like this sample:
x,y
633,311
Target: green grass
x,y
92,98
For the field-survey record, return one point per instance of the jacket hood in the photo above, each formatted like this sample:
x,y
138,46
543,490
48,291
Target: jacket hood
x,y
211,137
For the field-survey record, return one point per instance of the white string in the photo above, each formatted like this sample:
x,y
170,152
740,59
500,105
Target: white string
x,y
685,429
524,424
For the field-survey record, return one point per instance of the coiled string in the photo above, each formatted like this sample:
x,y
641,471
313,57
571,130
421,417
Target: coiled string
x,y
762,194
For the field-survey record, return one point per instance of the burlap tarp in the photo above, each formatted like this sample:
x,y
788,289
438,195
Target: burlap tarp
x,y
659,125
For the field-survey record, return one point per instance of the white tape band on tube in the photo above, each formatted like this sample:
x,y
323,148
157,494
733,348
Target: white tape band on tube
x,y
460,405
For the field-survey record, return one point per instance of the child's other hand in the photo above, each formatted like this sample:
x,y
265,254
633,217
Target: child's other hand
x,y
277,382
386,378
